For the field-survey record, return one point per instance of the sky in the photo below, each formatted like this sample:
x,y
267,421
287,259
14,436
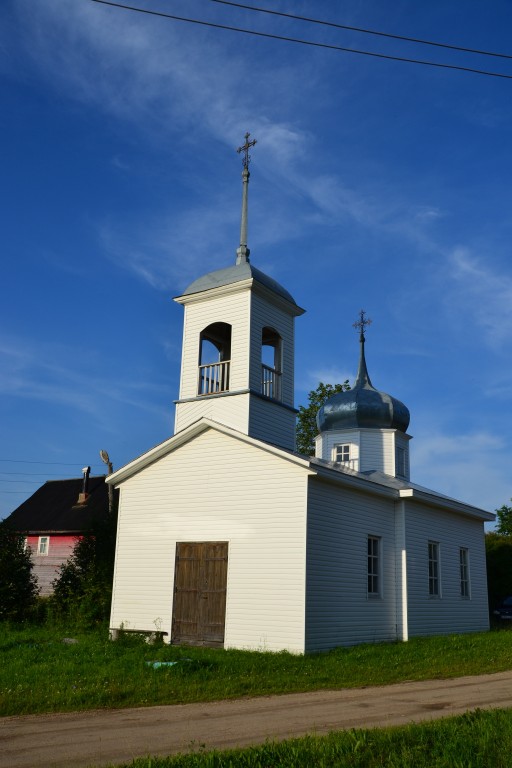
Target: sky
x,y
375,184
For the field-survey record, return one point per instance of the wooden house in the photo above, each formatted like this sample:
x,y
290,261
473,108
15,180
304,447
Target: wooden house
x,y
54,518
228,537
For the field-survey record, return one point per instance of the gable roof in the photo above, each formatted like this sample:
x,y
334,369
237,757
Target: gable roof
x,y
53,507
402,489
189,433
376,483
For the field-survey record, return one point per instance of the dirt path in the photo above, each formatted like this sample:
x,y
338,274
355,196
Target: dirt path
x,y
97,738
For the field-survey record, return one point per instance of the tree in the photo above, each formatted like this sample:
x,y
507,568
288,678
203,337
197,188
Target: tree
x,y
498,549
307,429
504,525
18,585
83,588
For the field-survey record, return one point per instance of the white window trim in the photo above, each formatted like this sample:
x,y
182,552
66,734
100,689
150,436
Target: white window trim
x,y
371,574
46,539
338,446
464,574
438,594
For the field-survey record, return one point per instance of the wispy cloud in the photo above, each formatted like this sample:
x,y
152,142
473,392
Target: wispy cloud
x,y
169,250
184,89
473,467
330,375
160,79
484,291
37,372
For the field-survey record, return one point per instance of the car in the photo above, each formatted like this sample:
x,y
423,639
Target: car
x,y
504,610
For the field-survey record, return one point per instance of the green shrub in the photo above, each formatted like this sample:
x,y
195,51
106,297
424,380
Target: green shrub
x,y
499,567
18,585
83,588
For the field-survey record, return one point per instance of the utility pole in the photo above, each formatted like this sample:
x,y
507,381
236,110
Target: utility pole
x,y
106,460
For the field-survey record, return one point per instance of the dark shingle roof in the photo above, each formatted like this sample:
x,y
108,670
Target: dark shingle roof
x,y
53,507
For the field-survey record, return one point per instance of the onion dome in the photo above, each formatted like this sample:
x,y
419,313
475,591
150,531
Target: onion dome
x,y
363,405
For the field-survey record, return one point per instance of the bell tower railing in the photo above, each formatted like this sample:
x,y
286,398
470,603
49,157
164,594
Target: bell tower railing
x,y
214,378
271,382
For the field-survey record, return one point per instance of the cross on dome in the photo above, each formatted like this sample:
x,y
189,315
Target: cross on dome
x,y
362,323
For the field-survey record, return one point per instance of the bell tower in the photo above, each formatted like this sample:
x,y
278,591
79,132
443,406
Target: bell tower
x,y
237,363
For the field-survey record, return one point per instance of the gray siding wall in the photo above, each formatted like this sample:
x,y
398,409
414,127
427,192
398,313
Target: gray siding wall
x,y
450,612
272,422
338,608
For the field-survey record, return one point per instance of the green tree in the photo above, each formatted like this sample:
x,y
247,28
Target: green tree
x,y
504,524
83,588
18,585
498,550
307,429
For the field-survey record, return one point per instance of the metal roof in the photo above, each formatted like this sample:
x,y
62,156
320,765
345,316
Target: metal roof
x,y
363,406
235,274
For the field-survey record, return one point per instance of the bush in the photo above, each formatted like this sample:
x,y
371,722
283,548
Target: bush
x,y
83,588
499,567
18,585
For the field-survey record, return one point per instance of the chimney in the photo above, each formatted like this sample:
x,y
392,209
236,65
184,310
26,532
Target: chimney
x,y
84,495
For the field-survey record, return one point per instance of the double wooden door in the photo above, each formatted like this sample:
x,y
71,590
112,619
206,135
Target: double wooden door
x,y
200,581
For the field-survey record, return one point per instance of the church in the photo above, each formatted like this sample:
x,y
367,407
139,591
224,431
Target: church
x,y
227,537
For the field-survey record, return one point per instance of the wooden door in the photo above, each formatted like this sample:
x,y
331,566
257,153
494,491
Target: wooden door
x,y
200,580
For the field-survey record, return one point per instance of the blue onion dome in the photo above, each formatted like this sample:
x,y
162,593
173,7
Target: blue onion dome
x,y
363,405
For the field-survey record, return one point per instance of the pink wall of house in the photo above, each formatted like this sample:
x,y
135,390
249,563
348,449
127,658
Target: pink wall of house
x,y
46,566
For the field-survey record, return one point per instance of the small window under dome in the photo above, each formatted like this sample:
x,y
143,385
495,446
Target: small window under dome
x,y
341,453
400,469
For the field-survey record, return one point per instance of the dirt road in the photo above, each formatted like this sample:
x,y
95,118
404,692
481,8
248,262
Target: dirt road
x,y
80,740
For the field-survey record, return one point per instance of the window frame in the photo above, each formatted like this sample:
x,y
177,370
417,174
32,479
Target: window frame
x,y
464,574
336,449
373,567
400,461
271,363
434,570
40,550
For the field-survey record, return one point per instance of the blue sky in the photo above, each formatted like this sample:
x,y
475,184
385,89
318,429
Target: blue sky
x,y
374,184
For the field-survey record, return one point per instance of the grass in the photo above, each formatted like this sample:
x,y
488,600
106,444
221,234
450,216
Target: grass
x,y
41,673
474,740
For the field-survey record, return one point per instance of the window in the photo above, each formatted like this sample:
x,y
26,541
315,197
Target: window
x,y
341,453
400,462
214,359
373,566
434,581
271,363
43,544
464,572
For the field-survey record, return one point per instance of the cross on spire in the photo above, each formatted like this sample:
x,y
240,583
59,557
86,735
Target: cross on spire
x,y
245,149
362,323
242,252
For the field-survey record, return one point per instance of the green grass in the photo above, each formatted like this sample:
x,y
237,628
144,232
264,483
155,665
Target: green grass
x,y
474,740
40,673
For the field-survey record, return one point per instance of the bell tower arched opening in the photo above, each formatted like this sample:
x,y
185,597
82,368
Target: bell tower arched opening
x,y
237,365
214,359
271,363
